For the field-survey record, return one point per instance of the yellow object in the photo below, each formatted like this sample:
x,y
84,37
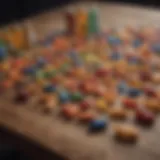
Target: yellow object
x,y
5,66
92,59
17,38
81,23
101,105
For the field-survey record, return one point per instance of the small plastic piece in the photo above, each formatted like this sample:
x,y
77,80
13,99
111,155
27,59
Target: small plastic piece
x,y
118,113
70,111
149,92
144,117
134,92
98,125
102,105
126,133
130,103
86,116
49,88
102,72
64,97
122,87
153,105
76,97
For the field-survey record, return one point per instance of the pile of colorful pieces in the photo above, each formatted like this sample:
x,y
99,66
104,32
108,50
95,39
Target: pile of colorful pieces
x,y
94,80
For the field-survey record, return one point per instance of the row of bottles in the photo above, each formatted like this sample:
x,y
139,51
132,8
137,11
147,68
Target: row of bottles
x,y
81,22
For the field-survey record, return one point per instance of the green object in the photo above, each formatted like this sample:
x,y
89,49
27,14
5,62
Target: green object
x,y
39,75
47,75
3,43
64,67
93,26
76,97
50,74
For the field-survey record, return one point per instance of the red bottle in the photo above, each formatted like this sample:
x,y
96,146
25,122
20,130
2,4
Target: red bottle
x,y
70,22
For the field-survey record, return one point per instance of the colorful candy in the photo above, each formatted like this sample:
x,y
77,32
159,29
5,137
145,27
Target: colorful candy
x,y
87,75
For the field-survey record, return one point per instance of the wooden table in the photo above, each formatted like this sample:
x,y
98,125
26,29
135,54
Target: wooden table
x,y
69,140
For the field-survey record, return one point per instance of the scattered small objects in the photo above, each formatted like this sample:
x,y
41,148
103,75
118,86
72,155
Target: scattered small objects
x,y
86,75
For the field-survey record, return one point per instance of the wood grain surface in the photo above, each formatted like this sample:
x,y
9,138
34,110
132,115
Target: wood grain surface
x,y
70,140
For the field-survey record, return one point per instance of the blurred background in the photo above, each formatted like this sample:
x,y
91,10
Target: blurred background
x,y
13,10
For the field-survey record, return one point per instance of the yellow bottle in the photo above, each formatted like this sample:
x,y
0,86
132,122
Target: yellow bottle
x,y
81,23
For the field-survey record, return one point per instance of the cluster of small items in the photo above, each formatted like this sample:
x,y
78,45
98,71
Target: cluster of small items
x,y
93,79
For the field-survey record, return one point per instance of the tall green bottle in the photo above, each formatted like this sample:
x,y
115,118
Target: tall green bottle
x,y
93,25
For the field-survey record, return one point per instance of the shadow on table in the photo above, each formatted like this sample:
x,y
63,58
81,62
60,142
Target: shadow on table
x,y
14,147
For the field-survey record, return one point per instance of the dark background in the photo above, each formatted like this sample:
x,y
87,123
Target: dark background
x,y
12,10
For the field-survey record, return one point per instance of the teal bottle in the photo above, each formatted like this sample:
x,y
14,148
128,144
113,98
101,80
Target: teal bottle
x,y
93,26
